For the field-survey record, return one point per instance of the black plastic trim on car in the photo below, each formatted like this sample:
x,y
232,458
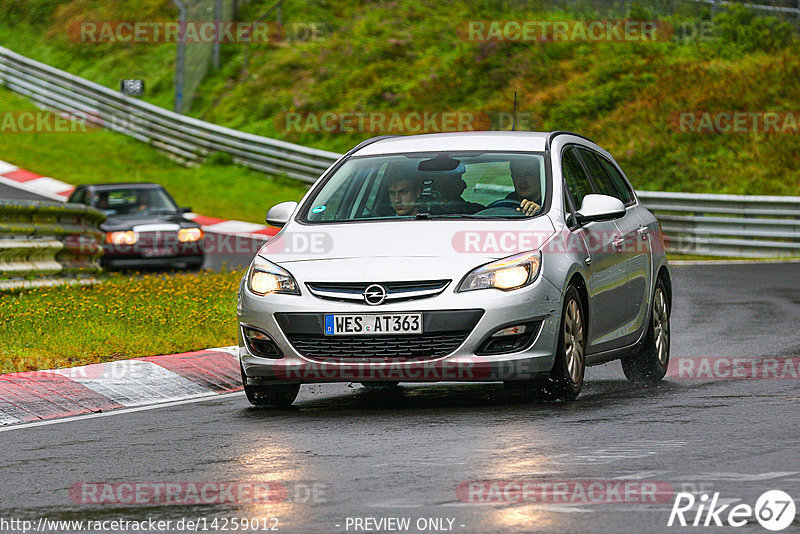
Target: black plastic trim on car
x,y
556,133
387,348
522,342
438,321
263,349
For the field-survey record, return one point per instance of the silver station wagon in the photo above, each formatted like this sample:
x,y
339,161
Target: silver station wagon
x,y
514,257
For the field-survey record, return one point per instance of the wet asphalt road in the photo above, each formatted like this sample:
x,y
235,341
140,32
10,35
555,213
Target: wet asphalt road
x,y
380,454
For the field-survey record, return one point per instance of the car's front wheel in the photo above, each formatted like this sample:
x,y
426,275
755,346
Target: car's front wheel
x,y
566,378
278,396
649,364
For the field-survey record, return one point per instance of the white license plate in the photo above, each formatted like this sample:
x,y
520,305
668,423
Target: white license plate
x,y
374,324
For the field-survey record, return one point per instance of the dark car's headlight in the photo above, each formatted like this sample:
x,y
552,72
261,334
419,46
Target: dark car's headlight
x,y
508,273
188,235
264,277
121,238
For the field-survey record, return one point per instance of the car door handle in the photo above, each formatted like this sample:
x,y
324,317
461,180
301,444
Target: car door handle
x,y
618,243
643,233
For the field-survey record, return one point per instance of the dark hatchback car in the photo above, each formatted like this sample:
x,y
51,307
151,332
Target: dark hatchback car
x,y
144,227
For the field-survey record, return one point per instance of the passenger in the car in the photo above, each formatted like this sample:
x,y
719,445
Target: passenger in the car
x,y
527,185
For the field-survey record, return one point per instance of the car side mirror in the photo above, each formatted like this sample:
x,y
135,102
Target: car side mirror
x,y
279,214
186,210
599,208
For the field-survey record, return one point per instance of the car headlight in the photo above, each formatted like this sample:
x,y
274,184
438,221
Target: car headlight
x,y
509,273
265,277
121,238
186,235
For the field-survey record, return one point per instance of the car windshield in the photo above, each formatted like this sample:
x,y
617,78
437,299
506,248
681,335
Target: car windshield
x,y
432,185
133,201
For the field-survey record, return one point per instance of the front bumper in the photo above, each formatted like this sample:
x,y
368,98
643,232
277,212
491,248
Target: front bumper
x,y
539,303
128,256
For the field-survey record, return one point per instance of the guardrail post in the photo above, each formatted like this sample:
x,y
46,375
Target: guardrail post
x,y
217,32
180,56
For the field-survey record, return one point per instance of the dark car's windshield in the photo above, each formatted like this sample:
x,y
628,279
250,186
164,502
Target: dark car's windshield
x,y
430,185
132,201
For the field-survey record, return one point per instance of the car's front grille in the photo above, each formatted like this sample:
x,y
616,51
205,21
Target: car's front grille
x,y
395,291
377,348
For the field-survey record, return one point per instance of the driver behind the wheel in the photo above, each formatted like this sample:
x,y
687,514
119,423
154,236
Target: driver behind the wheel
x,y
404,195
527,185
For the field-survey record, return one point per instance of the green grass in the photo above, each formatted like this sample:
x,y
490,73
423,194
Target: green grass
x,y
120,318
94,156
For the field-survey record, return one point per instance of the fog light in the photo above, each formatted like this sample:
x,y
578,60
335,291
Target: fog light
x,y
509,339
510,331
260,343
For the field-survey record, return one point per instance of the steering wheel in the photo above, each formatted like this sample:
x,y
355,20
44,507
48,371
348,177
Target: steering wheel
x,y
505,203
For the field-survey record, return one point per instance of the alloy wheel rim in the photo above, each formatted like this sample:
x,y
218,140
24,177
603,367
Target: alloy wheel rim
x,y
574,343
661,326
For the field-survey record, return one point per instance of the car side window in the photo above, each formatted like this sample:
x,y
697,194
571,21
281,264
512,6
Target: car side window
x,y
577,181
616,177
601,180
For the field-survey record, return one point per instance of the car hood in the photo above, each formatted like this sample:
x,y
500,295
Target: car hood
x,y
157,222
401,250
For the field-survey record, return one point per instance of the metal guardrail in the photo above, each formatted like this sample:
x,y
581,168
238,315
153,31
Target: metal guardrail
x,y
727,225
184,138
48,239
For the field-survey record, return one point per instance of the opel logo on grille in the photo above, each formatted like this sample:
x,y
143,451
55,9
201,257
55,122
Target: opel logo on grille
x,y
374,294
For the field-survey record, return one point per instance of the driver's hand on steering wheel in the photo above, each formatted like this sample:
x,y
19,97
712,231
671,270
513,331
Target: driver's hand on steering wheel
x,y
528,207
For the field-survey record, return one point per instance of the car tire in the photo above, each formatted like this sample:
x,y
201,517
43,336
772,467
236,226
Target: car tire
x,y
278,396
566,377
649,364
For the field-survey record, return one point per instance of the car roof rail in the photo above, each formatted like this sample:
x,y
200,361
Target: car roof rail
x,y
369,141
556,133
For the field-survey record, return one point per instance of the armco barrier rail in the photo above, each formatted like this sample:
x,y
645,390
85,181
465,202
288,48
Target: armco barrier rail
x,y
183,137
48,239
727,225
